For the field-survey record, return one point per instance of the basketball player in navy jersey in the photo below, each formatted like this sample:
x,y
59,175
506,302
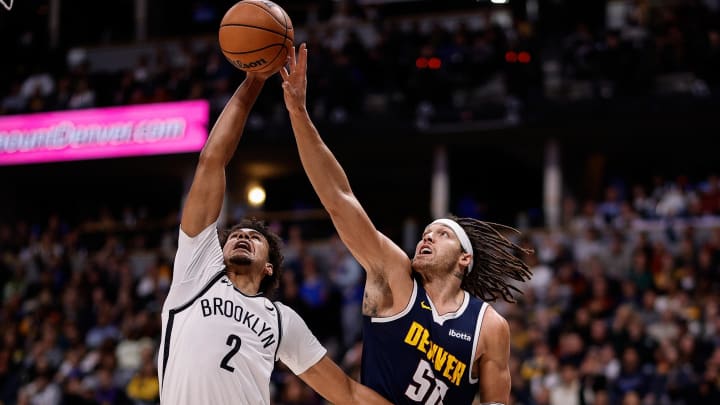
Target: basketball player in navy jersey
x,y
429,336
221,334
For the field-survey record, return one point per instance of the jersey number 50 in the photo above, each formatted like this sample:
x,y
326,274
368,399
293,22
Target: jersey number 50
x,y
425,388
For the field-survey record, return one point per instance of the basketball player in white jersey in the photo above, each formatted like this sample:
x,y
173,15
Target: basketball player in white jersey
x,y
221,335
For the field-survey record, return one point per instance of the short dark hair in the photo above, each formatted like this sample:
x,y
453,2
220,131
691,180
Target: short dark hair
x,y
269,284
494,260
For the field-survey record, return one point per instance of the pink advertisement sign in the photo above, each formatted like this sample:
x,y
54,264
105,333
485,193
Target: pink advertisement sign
x,y
140,130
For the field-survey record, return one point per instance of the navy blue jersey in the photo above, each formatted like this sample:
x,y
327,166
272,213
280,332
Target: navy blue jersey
x,y
420,357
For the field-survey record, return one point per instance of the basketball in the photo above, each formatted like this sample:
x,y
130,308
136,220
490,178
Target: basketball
x,y
256,36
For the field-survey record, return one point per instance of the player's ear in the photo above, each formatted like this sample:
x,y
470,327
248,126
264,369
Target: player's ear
x,y
268,270
465,259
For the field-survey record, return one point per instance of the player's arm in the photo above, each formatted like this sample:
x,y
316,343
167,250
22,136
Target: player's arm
x,y
330,381
385,263
205,198
494,363
303,354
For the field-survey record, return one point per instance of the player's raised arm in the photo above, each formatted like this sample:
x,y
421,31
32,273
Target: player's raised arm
x,y
383,260
205,197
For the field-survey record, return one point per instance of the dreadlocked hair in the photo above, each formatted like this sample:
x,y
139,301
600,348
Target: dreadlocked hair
x,y
494,261
269,284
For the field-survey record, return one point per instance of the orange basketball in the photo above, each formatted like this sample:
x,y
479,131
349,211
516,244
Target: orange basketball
x,y
256,36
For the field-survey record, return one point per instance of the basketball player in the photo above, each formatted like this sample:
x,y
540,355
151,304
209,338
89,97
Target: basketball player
x,y
429,336
221,334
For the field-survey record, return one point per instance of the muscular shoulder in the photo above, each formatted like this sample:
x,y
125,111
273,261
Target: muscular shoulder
x,y
495,333
495,324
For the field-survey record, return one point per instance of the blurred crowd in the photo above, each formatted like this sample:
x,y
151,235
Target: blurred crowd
x,y
622,308
623,304
81,304
645,47
489,64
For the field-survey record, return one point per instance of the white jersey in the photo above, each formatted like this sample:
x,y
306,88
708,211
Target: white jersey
x,y
219,346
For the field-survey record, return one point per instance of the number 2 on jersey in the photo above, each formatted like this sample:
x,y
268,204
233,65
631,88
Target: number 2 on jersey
x,y
234,342
425,388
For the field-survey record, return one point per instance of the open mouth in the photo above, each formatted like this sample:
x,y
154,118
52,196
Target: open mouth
x,y
425,250
244,245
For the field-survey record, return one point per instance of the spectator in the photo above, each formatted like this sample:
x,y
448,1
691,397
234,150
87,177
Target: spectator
x,y
41,390
143,388
568,391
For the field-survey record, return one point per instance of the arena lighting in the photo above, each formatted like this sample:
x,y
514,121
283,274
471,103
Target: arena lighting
x,y
522,57
499,1
256,195
431,63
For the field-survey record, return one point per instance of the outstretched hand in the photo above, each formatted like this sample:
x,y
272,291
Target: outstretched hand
x,y
295,80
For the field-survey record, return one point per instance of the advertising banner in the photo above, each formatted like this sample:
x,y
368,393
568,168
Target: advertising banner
x,y
140,130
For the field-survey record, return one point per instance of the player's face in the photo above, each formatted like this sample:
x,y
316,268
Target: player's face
x,y
246,246
438,250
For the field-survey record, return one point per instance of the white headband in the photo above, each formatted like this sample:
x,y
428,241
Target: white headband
x,y
461,235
